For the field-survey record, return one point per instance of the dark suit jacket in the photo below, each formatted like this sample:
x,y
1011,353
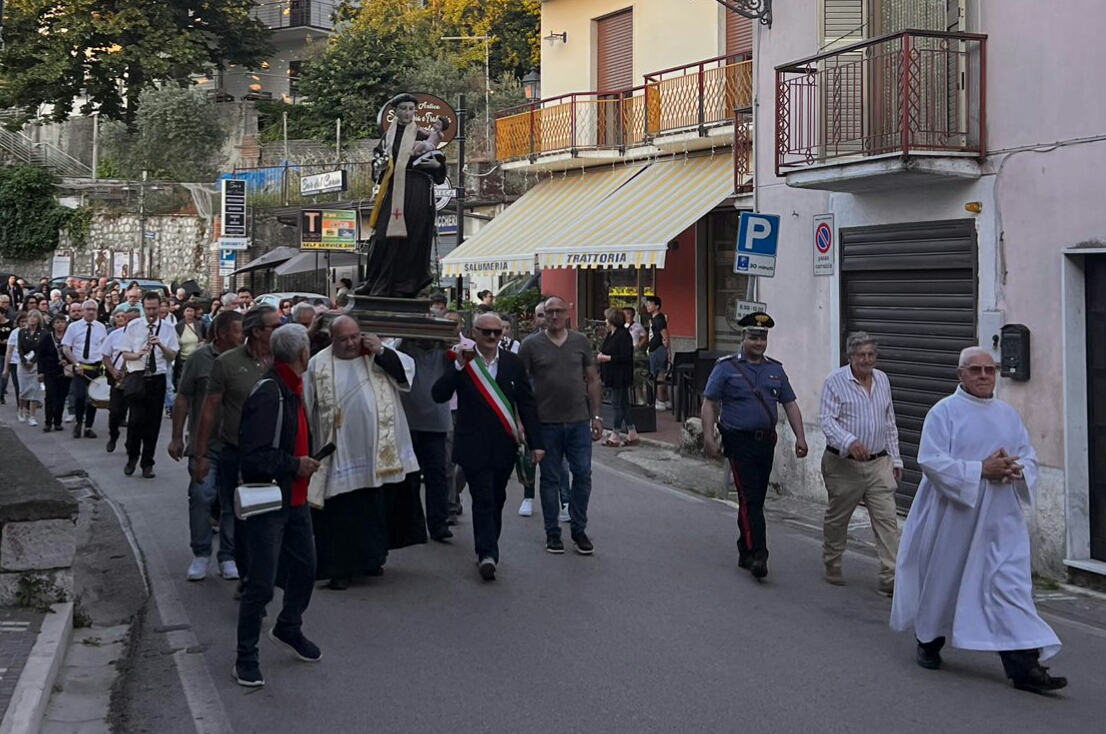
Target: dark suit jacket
x,y
479,438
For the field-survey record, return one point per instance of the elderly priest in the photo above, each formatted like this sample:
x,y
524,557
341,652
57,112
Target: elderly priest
x,y
963,564
366,494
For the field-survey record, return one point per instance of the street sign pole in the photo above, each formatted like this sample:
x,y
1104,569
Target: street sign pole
x,y
460,200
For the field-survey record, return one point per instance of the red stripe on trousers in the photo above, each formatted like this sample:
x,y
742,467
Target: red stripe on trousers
x,y
742,513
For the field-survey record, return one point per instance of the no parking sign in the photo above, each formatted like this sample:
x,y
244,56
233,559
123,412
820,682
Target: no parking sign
x,y
824,235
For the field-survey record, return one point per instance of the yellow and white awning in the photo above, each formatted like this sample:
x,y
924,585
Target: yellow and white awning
x,y
633,226
507,243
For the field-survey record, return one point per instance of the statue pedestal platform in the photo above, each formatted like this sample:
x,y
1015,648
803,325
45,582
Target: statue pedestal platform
x,y
403,318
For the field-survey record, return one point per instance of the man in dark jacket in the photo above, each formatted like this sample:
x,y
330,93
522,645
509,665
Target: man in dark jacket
x,y
493,392
274,443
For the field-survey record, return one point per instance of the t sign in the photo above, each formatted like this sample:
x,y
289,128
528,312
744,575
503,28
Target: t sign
x,y
757,236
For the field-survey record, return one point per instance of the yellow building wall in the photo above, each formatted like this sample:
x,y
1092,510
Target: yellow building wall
x,y
667,33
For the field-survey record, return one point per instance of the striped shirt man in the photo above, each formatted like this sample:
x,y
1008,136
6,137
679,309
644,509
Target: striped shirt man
x,y
851,413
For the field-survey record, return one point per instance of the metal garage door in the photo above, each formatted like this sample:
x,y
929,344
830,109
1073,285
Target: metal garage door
x,y
913,287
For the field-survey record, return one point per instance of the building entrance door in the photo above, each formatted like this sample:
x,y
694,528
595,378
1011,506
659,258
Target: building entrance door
x,y
1096,404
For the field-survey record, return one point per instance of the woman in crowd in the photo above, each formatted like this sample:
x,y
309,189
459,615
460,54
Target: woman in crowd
x,y
191,334
216,307
616,366
11,362
286,311
7,326
30,391
51,373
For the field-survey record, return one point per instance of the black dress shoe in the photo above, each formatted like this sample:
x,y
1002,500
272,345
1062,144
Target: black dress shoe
x,y
47,428
77,431
375,572
759,568
929,654
442,535
338,584
745,562
1039,681
148,472
111,444
129,468
89,433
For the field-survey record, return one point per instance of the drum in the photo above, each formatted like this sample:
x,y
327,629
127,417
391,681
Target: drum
x,y
99,392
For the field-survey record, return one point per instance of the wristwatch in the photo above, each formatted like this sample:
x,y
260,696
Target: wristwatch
x,y
597,417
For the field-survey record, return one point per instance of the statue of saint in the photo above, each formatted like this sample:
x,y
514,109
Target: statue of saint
x,y
409,163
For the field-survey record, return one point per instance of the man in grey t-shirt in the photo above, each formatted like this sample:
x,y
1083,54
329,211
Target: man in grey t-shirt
x,y
559,361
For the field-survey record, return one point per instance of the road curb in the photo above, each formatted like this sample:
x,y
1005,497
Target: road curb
x,y
36,682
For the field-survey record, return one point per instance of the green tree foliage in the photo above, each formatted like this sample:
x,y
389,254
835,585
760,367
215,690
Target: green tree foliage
x,y
177,136
388,46
32,215
108,51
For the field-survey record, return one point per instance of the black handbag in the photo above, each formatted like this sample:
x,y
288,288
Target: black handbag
x,y
134,385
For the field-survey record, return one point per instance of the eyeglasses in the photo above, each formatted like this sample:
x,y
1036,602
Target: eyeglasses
x,y
489,332
552,311
982,369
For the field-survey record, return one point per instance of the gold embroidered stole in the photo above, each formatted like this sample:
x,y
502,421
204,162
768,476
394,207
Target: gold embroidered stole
x,y
395,178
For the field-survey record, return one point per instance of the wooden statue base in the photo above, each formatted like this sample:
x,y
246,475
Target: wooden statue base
x,y
403,318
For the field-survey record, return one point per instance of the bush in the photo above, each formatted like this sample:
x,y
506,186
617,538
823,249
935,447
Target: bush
x,y
31,213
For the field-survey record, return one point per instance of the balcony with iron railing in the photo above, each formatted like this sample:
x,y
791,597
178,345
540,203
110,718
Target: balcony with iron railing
x,y
900,109
301,15
686,107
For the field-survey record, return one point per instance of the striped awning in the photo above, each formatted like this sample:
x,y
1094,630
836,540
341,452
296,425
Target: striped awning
x,y
507,243
633,226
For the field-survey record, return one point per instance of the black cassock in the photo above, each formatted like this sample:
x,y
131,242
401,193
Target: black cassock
x,y
399,267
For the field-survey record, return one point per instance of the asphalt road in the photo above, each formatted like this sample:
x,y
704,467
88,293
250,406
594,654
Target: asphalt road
x,y
659,631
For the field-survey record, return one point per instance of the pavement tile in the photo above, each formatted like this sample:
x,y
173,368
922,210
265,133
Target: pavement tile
x,y
19,629
81,727
101,635
93,655
87,680
77,707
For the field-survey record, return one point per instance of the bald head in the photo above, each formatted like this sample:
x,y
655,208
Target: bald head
x,y
489,320
345,337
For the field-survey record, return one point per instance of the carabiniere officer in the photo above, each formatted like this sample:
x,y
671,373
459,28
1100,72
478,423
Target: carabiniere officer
x,y
749,386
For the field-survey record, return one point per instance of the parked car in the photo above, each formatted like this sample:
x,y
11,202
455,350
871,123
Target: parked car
x,y
144,283
274,299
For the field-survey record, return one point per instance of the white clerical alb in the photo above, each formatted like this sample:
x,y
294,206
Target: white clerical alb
x,y
343,407
964,567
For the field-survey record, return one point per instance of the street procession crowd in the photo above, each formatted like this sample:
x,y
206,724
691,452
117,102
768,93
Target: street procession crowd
x,y
350,426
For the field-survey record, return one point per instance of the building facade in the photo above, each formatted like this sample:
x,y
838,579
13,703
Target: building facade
x,y
962,165
630,153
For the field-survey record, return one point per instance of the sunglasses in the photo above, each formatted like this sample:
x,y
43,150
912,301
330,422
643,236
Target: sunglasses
x,y
977,369
489,332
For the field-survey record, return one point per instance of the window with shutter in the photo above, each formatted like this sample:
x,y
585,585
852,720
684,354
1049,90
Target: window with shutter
x,y
615,73
739,34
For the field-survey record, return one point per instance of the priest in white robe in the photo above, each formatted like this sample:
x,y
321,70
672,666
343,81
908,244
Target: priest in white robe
x,y
964,562
365,495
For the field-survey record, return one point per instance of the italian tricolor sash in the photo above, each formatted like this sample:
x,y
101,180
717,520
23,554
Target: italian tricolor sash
x,y
489,388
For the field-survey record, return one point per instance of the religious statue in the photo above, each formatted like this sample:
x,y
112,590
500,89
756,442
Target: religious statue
x,y
408,161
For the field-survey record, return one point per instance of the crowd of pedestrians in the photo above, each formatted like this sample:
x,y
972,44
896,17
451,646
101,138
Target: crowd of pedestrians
x,y
353,428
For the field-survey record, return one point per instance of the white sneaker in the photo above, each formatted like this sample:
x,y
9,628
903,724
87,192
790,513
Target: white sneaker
x,y
32,422
660,405
68,418
21,414
564,514
198,570
526,509
228,570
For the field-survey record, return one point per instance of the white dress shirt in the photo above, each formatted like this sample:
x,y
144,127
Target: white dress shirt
x,y
851,413
75,336
112,347
139,330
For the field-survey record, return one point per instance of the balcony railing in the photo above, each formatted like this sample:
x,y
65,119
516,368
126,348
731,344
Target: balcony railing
x,y
692,98
906,93
281,14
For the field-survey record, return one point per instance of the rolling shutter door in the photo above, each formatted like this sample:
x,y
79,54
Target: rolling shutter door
x,y
616,52
739,34
912,287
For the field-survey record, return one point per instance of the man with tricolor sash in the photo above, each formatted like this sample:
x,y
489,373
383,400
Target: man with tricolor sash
x,y
493,398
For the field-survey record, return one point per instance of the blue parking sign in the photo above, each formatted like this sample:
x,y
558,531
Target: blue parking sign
x,y
757,239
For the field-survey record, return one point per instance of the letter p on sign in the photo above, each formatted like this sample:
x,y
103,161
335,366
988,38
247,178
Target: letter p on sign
x,y
758,234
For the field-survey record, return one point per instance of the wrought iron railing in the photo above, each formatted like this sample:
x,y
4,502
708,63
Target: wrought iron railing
x,y
907,93
275,186
691,98
279,14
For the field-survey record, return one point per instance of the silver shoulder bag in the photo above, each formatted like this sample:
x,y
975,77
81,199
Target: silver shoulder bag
x,y
257,499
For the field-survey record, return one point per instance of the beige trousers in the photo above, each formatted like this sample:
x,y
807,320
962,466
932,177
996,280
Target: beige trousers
x,y
849,482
